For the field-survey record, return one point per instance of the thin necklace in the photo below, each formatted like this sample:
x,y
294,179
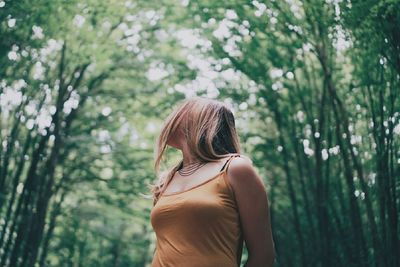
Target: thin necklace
x,y
190,168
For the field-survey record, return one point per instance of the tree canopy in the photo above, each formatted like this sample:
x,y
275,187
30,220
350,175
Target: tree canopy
x,y
85,86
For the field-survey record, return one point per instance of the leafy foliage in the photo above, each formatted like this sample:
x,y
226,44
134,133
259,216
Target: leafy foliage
x,y
85,86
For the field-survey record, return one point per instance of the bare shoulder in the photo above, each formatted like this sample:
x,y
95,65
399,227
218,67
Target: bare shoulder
x,y
242,173
242,156
253,206
240,166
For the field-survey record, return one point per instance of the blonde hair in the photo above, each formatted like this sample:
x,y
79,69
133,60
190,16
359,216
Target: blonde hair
x,y
208,127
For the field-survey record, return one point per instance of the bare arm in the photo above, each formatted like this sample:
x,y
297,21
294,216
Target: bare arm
x,y
253,206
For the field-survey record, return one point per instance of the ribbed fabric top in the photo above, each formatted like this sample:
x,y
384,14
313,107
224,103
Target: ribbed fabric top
x,y
198,227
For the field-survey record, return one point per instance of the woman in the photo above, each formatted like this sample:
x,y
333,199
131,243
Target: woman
x,y
203,210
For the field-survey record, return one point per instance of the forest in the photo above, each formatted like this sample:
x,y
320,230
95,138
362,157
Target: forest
x,y
85,86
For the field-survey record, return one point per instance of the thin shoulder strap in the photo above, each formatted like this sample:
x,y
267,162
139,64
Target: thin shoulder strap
x,y
226,164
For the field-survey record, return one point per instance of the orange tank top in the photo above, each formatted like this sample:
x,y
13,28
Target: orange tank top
x,y
198,227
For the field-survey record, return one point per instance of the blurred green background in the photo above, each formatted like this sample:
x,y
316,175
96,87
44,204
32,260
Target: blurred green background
x,y
85,86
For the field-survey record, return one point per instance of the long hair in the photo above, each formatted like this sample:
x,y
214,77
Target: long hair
x,y
208,127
